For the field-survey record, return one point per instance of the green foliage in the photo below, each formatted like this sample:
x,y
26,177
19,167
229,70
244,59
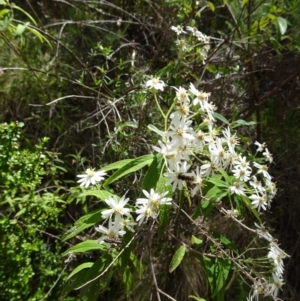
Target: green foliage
x,y
96,112
21,170
29,248
11,28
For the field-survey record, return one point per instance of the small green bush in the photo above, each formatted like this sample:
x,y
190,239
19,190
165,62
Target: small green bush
x,y
30,261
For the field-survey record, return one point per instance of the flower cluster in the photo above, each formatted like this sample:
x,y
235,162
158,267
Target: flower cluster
x,y
120,218
196,151
214,149
276,256
185,44
118,215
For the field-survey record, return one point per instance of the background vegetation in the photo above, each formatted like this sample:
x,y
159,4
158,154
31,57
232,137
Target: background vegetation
x,y
77,81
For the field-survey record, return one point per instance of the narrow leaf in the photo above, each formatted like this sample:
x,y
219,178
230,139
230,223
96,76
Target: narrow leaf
x,y
153,173
73,282
137,264
39,36
177,258
97,268
164,217
81,267
221,118
211,6
217,182
225,241
100,194
84,222
196,241
25,13
129,168
86,246
241,122
165,70
116,165
23,210
221,272
128,280
156,130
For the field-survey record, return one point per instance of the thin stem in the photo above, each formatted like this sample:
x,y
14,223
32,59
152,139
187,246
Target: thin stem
x,y
159,107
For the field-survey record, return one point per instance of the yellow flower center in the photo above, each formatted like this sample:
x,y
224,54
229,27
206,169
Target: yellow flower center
x,y
90,172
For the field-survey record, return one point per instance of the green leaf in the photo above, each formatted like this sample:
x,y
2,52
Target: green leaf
x,y
39,36
215,193
164,217
81,267
137,264
125,257
84,222
165,70
73,283
116,165
4,12
86,246
225,241
177,258
128,281
209,270
211,6
244,2
21,28
282,23
221,118
211,68
100,194
275,43
91,290
217,271
153,173
204,208
129,168
25,13
218,182
221,271
241,122
154,129
23,210
196,241
225,175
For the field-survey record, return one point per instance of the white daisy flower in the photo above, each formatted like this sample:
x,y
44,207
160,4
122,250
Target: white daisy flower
x,y
91,177
117,207
155,83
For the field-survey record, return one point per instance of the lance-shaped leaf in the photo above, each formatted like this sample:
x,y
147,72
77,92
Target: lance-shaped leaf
x,y
153,173
116,165
100,194
84,222
86,246
177,258
81,267
129,168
